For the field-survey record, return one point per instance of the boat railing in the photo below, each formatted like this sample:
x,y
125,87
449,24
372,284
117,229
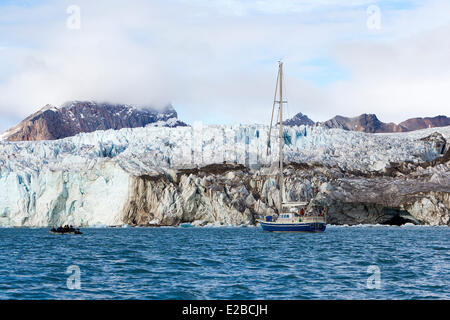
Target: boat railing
x,y
320,219
295,204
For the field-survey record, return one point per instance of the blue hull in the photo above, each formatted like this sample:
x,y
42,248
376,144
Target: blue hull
x,y
294,227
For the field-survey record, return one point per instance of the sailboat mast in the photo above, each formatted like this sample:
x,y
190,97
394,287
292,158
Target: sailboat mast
x,y
281,138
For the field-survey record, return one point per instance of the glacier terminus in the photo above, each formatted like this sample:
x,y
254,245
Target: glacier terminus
x,y
213,175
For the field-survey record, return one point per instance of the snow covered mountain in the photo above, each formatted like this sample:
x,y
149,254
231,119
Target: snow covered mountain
x,y
210,174
74,117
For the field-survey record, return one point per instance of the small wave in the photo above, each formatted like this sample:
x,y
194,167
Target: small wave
x,y
358,226
406,225
210,262
410,225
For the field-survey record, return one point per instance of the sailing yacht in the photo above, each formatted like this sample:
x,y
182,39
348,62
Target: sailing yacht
x,y
292,216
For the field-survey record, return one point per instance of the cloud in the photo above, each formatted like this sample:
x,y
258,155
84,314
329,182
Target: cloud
x,y
216,60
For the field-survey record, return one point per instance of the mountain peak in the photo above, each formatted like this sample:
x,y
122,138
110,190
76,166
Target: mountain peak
x,y
298,120
48,107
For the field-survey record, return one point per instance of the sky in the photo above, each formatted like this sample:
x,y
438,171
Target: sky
x,y
216,60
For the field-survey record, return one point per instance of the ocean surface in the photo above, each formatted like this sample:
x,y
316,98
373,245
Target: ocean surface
x,y
362,262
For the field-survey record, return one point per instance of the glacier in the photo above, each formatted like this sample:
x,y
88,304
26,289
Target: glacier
x,y
153,175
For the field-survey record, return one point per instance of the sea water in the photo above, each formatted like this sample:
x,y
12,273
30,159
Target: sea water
x,y
363,262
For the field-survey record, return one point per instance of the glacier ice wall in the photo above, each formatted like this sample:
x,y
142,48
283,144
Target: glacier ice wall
x,y
88,179
89,196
